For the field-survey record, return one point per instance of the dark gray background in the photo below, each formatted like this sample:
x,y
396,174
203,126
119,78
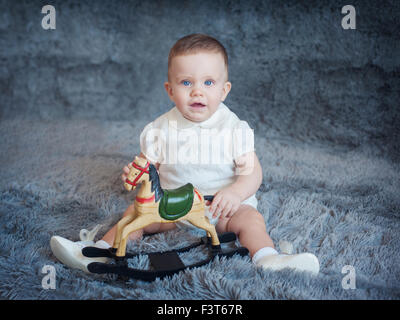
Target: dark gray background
x,y
295,71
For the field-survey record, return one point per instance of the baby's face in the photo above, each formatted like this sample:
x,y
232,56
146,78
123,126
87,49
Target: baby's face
x,y
197,84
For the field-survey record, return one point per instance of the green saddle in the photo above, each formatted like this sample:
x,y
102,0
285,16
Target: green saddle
x,y
176,202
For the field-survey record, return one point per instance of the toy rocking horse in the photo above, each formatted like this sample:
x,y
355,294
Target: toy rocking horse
x,y
156,205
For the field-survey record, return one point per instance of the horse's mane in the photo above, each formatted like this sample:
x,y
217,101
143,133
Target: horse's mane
x,y
155,182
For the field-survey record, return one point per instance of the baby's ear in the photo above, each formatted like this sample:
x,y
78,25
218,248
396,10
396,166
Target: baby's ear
x,y
168,88
226,89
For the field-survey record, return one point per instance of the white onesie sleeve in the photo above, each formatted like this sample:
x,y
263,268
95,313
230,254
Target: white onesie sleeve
x,y
153,143
242,139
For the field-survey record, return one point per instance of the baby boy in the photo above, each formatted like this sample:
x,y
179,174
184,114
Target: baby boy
x,y
198,84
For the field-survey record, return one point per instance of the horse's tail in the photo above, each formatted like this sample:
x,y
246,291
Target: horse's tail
x,y
209,198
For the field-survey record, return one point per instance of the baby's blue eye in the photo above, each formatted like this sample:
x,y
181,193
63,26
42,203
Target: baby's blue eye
x,y
186,83
208,82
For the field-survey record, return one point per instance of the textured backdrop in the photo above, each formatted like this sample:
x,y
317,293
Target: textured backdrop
x,y
324,103
291,65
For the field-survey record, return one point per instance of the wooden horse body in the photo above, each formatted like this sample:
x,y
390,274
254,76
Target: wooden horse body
x,y
155,205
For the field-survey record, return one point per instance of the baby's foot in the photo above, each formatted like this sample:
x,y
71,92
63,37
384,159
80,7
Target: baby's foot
x,y
298,262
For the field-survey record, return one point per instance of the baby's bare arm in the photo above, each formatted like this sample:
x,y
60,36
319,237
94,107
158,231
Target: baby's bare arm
x,y
249,177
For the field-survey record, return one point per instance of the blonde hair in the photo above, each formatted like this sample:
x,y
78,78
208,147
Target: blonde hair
x,y
194,43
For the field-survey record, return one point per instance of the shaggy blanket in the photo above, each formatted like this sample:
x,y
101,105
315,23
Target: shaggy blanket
x,y
60,177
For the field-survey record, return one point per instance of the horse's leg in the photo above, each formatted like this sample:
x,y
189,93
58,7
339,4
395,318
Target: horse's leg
x,y
198,219
140,222
121,225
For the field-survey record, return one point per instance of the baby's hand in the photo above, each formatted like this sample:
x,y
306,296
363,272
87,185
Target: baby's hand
x,y
225,203
125,173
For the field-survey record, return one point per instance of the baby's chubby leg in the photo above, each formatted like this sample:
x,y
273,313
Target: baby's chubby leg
x,y
248,224
153,228
250,227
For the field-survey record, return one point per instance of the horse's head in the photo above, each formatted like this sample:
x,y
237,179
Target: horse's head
x,y
139,171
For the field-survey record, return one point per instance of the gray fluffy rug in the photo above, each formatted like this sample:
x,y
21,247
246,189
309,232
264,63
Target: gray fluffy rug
x,y
61,176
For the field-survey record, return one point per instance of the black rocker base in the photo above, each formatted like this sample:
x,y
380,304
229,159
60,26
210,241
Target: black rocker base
x,y
165,263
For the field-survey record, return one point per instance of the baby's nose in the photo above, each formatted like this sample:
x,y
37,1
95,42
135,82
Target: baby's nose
x,y
196,92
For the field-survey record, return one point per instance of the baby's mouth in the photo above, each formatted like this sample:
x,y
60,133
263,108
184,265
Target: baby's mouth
x,y
197,105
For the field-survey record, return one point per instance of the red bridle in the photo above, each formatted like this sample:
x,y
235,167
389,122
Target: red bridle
x,y
142,171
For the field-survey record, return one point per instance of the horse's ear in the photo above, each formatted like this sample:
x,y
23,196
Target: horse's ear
x,y
141,161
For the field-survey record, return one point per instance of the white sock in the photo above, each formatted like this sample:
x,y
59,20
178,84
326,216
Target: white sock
x,y
102,244
266,251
